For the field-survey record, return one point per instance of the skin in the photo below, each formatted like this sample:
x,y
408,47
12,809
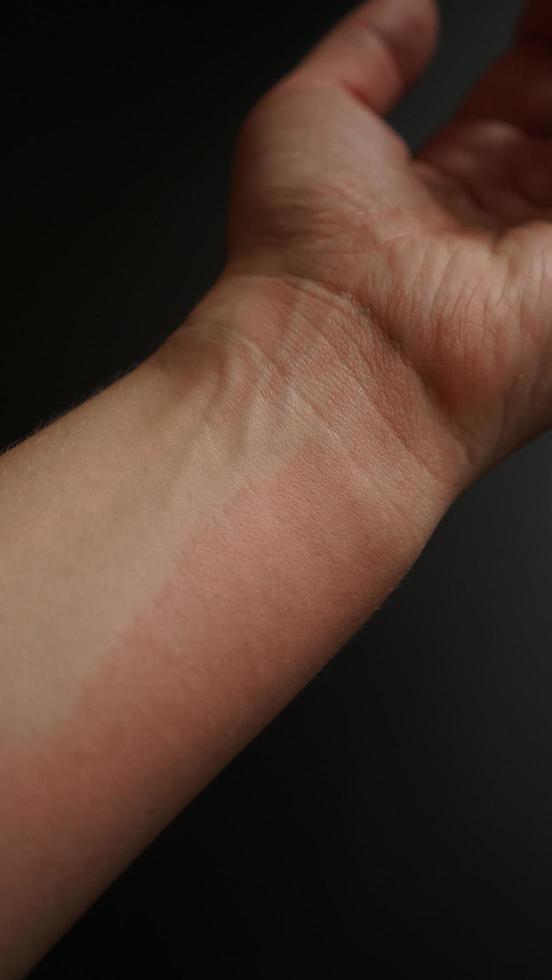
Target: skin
x,y
183,552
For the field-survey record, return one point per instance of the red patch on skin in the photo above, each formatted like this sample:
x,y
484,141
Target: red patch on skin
x,y
259,601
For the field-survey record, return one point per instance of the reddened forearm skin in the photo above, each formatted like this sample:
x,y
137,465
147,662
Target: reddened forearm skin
x,y
193,546
180,554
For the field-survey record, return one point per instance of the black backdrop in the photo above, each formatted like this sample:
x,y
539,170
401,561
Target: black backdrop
x,y
396,820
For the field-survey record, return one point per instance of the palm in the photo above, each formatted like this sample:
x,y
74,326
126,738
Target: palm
x,y
450,253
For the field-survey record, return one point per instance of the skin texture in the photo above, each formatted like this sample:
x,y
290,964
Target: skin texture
x,y
445,257
183,552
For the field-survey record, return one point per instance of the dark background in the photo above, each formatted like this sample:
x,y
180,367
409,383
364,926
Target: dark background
x,y
396,820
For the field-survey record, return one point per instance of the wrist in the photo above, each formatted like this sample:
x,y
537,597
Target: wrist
x,y
296,392
311,362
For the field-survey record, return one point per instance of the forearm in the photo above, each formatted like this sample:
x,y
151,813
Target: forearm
x,y
178,557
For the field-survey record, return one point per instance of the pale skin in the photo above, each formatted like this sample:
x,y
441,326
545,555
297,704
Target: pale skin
x,y
183,552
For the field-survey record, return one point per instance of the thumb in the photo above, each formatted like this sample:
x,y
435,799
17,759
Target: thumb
x,y
378,51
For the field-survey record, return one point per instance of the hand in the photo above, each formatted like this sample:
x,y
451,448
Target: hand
x,y
437,270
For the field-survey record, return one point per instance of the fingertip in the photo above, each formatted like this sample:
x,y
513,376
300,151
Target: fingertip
x,y
380,49
409,27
